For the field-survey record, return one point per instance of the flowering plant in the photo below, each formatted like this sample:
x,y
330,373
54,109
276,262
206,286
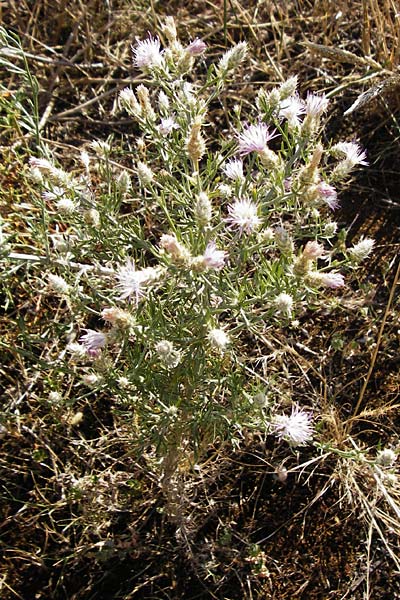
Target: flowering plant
x,y
183,252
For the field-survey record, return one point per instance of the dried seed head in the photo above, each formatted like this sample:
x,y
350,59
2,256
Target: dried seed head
x,y
196,145
143,95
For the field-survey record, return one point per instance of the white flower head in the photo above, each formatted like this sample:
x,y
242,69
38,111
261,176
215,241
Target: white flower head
x,y
66,205
44,165
288,87
133,283
117,317
203,209
168,355
233,169
123,182
291,108
232,58
77,351
128,101
91,380
163,102
85,159
172,246
58,284
352,152
100,148
284,304
296,429
330,229
55,397
225,190
147,53
53,194
386,457
361,250
218,339
313,250
316,104
145,174
243,215
167,125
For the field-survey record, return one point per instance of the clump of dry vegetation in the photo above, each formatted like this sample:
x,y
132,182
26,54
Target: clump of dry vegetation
x,y
97,504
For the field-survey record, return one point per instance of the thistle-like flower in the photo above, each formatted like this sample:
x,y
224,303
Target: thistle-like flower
x,y
316,105
66,205
283,240
288,87
58,284
386,457
178,252
77,351
196,47
169,356
327,194
117,317
361,250
291,108
313,250
133,283
243,215
93,341
254,138
167,125
100,148
352,152
145,174
233,169
147,53
213,258
331,280
195,144
232,58
203,209
54,194
128,100
284,304
296,428
218,339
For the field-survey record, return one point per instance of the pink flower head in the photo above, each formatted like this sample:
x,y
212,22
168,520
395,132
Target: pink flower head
x,y
295,429
254,138
196,47
243,215
93,341
313,250
328,194
147,53
331,280
287,184
214,258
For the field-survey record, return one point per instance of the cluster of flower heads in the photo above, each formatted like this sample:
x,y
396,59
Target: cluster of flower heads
x,y
260,190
